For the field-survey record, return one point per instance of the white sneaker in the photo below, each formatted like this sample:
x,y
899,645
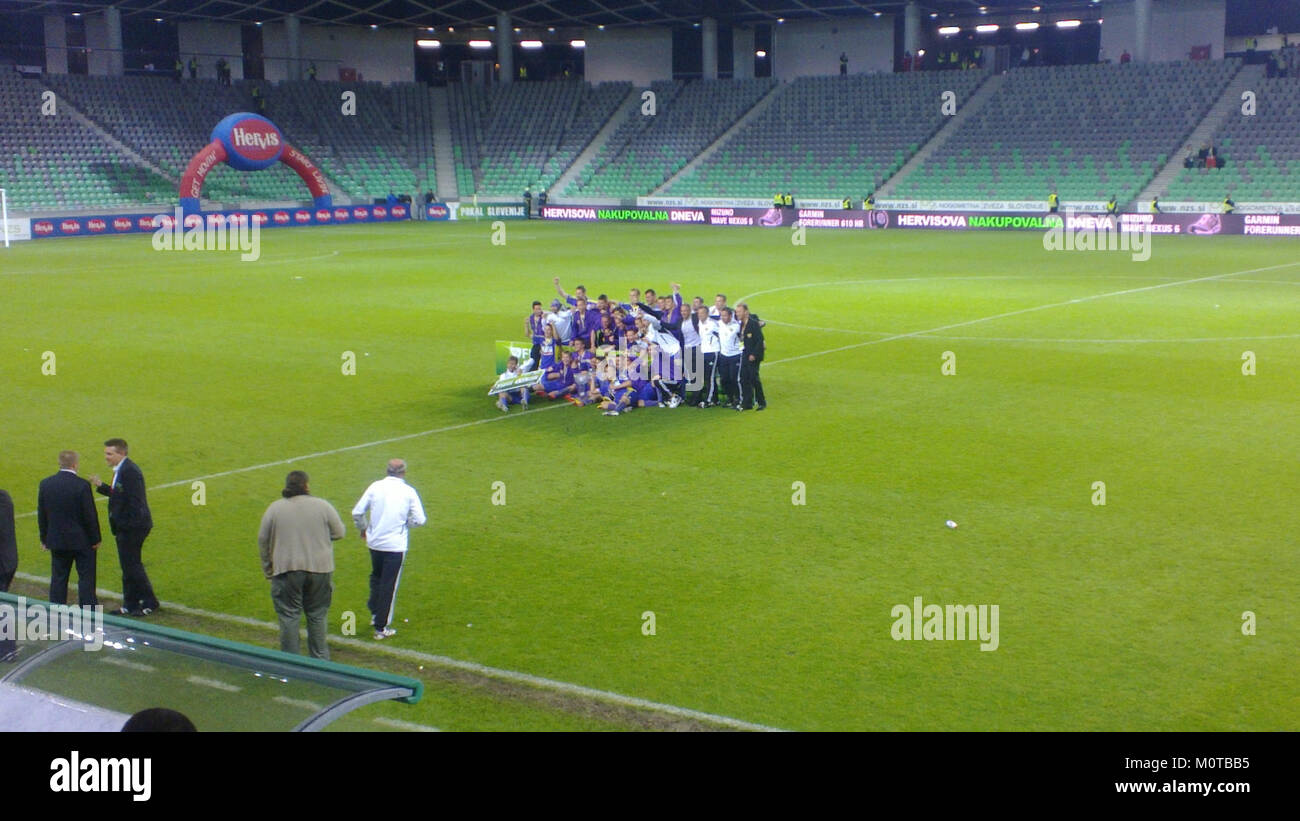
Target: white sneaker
x,y
611,413
387,632
674,402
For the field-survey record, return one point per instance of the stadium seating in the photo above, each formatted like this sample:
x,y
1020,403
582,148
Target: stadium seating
x,y
386,146
644,152
524,135
58,163
1089,131
828,137
1262,152
177,120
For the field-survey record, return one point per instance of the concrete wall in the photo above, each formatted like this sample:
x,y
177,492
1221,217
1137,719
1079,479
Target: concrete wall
x,y
638,55
808,48
379,55
209,39
1176,26
56,40
97,60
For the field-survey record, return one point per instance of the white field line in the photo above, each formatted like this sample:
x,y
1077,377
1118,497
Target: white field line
x,y
409,726
1019,311
446,662
318,454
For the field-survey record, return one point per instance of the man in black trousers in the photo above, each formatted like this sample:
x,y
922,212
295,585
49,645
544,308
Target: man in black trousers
x,y
130,521
751,356
8,544
8,563
69,526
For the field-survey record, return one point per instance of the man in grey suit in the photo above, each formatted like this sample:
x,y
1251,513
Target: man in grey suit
x,y
69,526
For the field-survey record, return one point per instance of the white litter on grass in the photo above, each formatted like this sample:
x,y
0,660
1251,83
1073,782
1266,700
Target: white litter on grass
x,y
950,523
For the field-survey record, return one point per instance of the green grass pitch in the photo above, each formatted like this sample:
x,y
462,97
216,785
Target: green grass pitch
x,y
1071,369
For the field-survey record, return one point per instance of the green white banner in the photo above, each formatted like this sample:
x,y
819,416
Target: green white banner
x,y
522,350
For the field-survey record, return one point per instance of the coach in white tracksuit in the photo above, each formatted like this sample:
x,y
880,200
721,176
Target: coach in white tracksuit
x,y
393,507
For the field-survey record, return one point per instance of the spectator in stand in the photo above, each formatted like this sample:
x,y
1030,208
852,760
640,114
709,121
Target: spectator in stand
x,y
1125,57
844,64
1189,161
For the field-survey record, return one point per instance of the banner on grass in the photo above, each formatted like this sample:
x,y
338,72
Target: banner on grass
x,y
522,350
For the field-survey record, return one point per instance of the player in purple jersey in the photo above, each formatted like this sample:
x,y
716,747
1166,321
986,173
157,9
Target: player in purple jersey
x,y
547,349
585,321
607,332
558,381
535,326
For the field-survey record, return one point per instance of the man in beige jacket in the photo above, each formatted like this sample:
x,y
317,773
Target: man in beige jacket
x,y
298,557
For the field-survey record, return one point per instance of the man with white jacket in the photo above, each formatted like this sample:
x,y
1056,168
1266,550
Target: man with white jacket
x,y
393,507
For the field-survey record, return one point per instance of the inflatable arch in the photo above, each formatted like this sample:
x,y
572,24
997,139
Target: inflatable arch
x,y
249,142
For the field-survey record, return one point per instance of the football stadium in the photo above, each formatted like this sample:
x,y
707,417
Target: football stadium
x,y
609,365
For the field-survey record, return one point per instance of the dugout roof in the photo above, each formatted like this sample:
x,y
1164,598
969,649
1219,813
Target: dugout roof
x,y
220,685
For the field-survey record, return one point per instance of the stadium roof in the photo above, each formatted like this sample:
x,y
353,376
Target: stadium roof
x,y
532,13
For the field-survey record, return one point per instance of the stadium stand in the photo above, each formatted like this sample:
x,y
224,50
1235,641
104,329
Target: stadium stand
x,y
58,163
525,135
828,136
386,146
645,151
1088,131
180,117
1262,152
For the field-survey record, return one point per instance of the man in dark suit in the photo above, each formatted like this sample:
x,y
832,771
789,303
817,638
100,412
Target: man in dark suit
x,y
69,525
8,544
8,563
753,348
130,521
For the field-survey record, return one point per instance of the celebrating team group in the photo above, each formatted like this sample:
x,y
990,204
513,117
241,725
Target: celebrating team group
x,y
650,351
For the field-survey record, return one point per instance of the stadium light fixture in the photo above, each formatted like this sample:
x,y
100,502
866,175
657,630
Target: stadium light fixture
x,y
452,29
876,13
934,14
780,19
1026,26
374,26
984,9
601,27
429,43
1068,24
987,28
516,31
947,30
480,44
492,28
760,54
1038,8
76,14
578,43
551,29
920,52
258,24
157,19
530,43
